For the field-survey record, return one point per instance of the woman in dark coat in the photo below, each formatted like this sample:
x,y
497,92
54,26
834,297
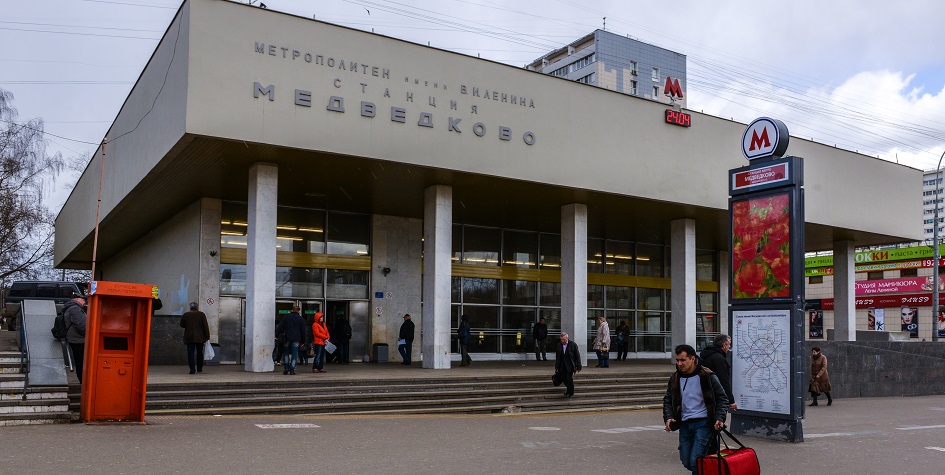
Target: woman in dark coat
x,y
819,380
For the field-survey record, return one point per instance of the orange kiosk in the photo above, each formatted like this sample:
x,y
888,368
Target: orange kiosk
x,y
117,338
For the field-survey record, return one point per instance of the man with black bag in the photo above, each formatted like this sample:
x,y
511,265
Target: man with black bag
x,y
567,362
695,404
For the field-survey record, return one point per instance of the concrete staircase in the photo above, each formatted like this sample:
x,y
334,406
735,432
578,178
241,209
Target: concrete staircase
x,y
433,395
39,405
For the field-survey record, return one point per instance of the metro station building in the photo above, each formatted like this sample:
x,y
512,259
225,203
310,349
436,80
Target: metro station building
x,y
263,160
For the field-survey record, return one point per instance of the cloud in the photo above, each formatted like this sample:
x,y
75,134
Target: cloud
x,y
878,112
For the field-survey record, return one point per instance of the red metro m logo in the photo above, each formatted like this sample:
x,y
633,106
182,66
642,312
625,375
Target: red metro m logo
x,y
759,142
672,88
765,137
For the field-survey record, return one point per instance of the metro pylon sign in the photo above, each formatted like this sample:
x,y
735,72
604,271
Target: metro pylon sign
x,y
765,137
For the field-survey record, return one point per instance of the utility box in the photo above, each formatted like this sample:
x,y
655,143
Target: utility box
x,y
380,352
117,338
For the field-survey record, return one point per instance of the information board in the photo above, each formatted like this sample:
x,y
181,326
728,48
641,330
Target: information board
x,y
761,363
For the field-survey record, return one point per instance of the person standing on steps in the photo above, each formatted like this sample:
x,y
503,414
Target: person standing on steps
x,y
464,336
623,337
319,336
819,380
74,314
405,344
292,329
540,334
196,335
602,343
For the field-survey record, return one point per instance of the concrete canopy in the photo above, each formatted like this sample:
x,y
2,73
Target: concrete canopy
x,y
364,123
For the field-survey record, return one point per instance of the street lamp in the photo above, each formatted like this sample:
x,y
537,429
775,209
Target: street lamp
x,y
935,256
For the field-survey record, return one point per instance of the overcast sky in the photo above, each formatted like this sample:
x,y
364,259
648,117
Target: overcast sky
x,y
865,75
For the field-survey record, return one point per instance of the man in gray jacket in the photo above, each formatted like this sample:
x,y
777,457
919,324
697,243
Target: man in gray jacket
x,y
73,312
695,404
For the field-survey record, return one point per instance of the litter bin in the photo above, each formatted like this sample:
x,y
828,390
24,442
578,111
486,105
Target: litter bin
x,y
216,355
380,352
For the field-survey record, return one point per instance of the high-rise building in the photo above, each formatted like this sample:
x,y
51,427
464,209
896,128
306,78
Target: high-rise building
x,y
932,197
618,63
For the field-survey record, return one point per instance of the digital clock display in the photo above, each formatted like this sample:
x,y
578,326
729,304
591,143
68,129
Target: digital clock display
x,y
678,118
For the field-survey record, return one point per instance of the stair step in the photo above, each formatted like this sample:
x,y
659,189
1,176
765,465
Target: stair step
x,y
63,417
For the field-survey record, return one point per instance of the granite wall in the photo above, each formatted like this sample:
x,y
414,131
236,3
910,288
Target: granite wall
x,y
883,368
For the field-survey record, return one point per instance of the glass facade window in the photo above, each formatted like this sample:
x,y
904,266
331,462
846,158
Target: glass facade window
x,y
595,296
650,299
517,326
652,332
349,234
550,254
293,282
480,290
619,258
484,322
347,284
707,265
519,292
549,294
300,282
457,243
481,246
650,260
300,230
619,297
595,255
520,249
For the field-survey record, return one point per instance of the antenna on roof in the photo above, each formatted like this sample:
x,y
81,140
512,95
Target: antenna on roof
x,y
605,23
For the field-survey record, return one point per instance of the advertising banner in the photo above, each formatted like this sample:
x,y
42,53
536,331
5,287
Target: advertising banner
x,y
895,286
910,321
886,255
761,247
816,323
876,319
941,322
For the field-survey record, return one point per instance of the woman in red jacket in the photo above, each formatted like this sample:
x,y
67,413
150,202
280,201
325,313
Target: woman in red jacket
x,y
319,337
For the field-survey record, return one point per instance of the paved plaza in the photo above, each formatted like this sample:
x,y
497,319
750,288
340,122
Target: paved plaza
x,y
864,436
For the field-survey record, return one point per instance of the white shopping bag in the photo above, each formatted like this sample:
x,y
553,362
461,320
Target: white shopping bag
x,y
208,353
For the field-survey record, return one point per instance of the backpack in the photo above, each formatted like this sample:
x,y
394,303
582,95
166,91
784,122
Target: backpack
x,y
60,329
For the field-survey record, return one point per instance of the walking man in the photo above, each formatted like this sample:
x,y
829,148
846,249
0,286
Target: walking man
x,y
73,313
196,334
405,344
695,404
292,329
567,362
540,333
715,358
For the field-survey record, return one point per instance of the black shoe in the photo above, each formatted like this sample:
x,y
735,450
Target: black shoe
x,y
193,372
830,402
598,365
814,404
200,371
285,371
292,372
566,394
545,359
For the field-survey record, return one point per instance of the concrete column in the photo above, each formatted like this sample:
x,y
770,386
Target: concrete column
x,y
208,290
725,290
261,267
844,300
574,274
437,272
683,281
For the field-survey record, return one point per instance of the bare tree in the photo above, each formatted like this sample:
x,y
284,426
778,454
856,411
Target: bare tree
x,y
26,224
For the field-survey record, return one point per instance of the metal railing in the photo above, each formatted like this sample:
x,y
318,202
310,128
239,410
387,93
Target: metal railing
x,y
24,352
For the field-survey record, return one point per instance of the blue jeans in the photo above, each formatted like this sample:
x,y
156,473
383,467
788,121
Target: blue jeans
x,y
318,361
290,355
405,351
693,438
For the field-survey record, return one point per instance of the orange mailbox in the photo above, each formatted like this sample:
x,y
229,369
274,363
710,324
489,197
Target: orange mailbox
x,y
117,336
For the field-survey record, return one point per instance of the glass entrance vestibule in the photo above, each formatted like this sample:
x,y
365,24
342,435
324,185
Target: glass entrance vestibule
x,y
504,280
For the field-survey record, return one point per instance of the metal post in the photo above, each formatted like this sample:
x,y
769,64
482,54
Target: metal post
x,y
935,256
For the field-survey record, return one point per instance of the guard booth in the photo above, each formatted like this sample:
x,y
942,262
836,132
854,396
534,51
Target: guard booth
x,y
117,339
